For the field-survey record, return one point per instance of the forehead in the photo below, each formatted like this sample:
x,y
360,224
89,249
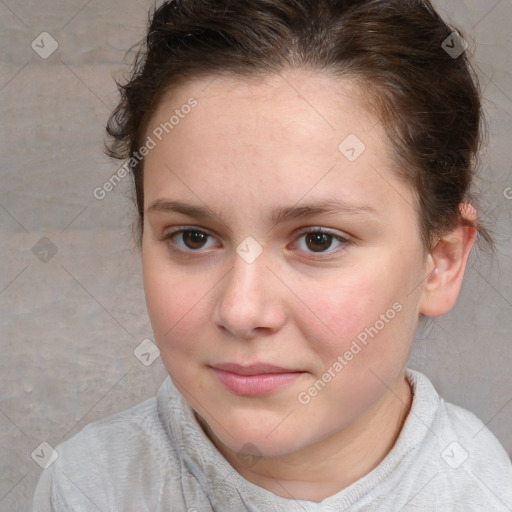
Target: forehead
x,y
290,135
303,103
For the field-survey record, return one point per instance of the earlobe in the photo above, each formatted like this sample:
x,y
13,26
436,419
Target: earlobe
x,y
446,264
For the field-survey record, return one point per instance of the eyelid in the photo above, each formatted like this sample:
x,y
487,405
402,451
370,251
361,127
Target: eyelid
x,y
177,229
319,229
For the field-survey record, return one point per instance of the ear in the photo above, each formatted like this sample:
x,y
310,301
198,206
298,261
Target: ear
x,y
446,264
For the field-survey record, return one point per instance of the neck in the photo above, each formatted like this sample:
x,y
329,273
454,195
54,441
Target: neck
x,y
325,468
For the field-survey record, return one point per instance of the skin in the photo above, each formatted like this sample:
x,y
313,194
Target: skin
x,y
247,147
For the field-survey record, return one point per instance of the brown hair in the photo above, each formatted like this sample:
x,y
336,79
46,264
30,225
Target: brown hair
x,y
428,99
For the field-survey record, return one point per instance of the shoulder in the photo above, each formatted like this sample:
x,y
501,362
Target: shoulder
x,y
104,462
117,439
469,463
483,454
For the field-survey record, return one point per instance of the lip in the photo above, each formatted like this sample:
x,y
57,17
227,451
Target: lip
x,y
252,369
255,379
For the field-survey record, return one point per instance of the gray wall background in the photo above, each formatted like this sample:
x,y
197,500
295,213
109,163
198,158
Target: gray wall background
x,y
71,301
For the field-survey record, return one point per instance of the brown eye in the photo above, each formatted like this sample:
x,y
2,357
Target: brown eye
x,y
318,242
188,241
194,239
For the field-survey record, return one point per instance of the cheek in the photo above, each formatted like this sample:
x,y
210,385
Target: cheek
x,y
365,356
176,305
345,306
367,319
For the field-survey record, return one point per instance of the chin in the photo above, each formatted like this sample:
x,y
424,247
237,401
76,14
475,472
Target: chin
x,y
258,440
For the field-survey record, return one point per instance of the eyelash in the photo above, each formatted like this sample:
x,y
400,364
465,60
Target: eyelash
x,y
167,237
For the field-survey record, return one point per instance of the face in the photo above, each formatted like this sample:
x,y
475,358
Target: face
x,y
281,322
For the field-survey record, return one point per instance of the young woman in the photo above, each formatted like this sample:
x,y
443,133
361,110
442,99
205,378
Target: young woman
x,y
302,172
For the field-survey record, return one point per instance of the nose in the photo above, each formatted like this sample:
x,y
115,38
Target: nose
x,y
249,302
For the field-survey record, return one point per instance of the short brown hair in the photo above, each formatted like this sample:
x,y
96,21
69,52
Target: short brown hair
x,y
428,100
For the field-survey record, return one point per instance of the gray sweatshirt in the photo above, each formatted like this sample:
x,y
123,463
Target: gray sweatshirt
x,y
156,457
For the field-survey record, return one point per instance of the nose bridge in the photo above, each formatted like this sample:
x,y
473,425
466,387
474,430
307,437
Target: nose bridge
x,y
248,278
248,299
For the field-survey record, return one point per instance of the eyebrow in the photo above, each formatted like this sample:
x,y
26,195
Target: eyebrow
x,y
278,215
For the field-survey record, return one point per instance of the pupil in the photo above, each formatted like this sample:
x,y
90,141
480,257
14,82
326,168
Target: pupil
x,y
319,238
195,238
